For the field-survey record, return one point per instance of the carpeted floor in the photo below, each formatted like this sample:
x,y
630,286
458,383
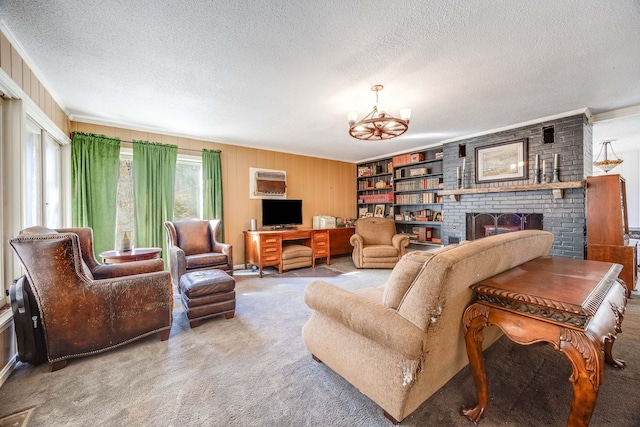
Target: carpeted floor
x,y
253,370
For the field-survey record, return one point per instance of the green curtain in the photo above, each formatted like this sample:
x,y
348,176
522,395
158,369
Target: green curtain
x,y
154,171
212,191
95,162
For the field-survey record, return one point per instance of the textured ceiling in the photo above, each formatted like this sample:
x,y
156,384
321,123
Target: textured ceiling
x,y
282,75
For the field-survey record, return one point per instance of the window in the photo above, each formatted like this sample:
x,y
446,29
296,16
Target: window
x,y
32,175
42,178
52,183
188,188
188,191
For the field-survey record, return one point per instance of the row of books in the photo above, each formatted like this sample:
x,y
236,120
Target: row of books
x,y
417,198
421,184
376,198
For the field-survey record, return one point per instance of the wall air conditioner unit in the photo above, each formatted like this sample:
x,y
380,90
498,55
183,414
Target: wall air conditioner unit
x,y
267,184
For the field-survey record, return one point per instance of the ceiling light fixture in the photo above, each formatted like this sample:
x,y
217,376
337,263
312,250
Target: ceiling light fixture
x,y
605,163
378,124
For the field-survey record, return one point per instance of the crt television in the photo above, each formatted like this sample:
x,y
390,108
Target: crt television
x,y
281,213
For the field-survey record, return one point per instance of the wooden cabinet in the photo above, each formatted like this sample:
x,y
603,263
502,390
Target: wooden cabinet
x,y
262,250
608,227
320,246
339,240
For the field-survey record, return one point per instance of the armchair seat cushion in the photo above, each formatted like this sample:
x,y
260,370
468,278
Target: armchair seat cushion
x,y
380,251
205,260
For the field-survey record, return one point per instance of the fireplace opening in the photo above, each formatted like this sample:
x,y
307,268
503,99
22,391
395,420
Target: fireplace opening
x,y
481,225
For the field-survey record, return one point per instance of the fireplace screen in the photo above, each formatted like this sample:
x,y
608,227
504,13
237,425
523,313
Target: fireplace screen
x,y
481,225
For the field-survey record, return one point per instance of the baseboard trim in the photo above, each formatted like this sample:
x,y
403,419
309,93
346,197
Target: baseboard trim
x,y
8,369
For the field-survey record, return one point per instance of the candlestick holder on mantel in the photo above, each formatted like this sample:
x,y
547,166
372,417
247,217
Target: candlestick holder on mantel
x,y
536,176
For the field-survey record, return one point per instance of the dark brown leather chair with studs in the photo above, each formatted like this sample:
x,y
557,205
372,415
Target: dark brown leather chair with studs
x,y
193,246
80,314
106,271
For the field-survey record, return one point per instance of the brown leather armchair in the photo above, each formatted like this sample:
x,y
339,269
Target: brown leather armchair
x,y
82,315
106,271
193,246
376,244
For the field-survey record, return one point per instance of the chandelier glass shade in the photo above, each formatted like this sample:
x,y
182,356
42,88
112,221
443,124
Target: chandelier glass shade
x,y
378,125
603,161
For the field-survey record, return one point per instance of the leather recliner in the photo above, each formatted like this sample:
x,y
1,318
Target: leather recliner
x,y
80,314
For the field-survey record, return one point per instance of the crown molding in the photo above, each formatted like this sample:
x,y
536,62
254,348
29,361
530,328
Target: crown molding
x,y
584,111
14,91
616,114
132,126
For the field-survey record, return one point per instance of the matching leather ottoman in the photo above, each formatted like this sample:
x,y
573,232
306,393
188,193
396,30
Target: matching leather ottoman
x,y
207,293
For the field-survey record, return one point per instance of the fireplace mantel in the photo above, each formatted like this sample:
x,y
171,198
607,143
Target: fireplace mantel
x,y
557,189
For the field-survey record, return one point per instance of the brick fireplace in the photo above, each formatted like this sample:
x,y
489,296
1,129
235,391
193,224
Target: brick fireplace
x,y
563,216
479,225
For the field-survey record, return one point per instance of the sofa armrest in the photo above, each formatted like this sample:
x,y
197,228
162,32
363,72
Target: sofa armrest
x,y
356,241
223,248
108,271
374,321
400,241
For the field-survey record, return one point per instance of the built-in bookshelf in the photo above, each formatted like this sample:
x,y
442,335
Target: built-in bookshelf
x,y
375,188
405,189
417,207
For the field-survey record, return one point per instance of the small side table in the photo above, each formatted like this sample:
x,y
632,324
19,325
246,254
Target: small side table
x,y
136,254
575,305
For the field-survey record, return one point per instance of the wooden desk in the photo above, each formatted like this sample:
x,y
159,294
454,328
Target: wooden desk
x,y
136,254
263,248
576,305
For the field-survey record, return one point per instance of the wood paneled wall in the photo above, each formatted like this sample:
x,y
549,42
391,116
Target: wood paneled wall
x,y
326,187
13,64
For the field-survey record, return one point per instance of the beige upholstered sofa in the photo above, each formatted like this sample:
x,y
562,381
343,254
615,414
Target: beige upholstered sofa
x,y
400,342
376,244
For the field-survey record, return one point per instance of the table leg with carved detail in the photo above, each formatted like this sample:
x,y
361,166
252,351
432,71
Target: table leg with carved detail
x,y
586,353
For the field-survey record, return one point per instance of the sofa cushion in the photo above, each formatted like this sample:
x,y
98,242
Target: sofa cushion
x,y
379,251
405,272
449,274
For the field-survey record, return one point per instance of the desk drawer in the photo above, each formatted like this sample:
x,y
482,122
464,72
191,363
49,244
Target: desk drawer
x,y
270,240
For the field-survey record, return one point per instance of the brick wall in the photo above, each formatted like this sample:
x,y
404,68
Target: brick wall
x,y
564,217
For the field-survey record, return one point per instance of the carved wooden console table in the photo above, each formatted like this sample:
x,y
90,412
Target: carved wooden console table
x,y
576,305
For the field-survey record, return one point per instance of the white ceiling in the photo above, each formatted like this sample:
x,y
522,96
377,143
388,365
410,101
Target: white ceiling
x,y
282,75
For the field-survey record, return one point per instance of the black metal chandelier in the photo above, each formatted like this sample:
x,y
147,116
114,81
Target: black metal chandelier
x,y
378,124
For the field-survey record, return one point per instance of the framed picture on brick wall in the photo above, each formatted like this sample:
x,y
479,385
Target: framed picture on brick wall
x,y
506,161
